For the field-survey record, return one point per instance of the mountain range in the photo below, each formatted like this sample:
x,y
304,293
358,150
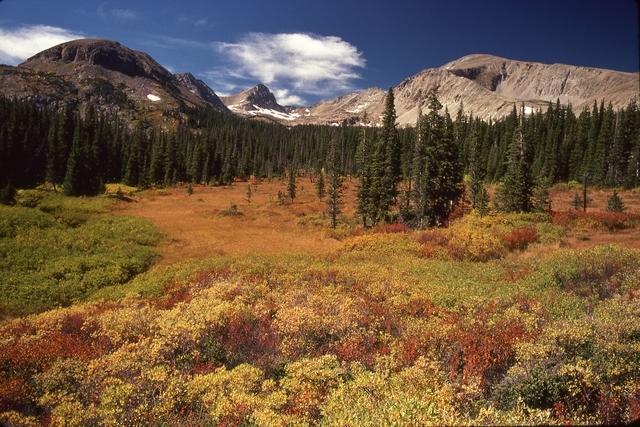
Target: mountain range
x,y
131,83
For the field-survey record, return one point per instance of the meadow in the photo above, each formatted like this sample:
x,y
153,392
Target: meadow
x,y
56,250
201,314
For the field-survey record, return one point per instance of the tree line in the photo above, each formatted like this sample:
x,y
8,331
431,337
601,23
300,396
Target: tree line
x,y
413,172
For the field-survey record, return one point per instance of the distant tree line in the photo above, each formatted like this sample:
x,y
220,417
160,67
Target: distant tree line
x,y
415,170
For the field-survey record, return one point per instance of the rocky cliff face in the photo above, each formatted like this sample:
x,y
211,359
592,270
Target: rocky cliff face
x,y
200,88
112,77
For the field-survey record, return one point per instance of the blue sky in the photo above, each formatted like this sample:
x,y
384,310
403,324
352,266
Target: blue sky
x,y
310,50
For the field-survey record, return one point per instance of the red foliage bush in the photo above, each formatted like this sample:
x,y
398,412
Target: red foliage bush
x,y
483,350
14,393
612,221
361,347
246,338
435,237
173,297
394,227
520,238
610,408
458,212
634,405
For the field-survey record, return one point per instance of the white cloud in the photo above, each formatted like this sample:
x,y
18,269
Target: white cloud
x,y
202,22
285,97
124,15
18,44
224,82
118,15
196,22
299,63
167,42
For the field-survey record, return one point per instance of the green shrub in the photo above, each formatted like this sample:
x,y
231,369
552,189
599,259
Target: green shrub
x,y
615,203
63,251
597,272
8,195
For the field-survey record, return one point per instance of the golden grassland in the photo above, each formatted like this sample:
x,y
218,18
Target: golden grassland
x,y
268,317
197,230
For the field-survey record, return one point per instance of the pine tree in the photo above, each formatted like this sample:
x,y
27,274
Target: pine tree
x,y
320,185
291,183
133,171
615,203
389,135
386,169
576,202
514,194
248,193
476,170
366,208
74,178
540,200
437,171
335,190
52,154
482,202
8,195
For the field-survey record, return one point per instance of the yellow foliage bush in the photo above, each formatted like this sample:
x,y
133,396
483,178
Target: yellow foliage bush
x,y
385,244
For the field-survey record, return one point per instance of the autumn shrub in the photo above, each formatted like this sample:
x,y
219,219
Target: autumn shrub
x,y
600,272
232,210
474,244
369,334
14,220
308,382
520,238
229,397
575,367
481,347
395,227
610,221
417,395
482,238
381,245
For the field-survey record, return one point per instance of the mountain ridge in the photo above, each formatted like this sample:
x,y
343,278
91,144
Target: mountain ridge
x,y
485,85
131,83
112,77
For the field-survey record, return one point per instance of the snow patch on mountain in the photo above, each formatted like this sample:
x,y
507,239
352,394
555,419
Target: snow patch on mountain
x,y
269,112
358,108
153,98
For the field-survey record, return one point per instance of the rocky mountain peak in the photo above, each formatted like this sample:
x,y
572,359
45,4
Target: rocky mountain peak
x,y
110,76
105,54
200,88
253,99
